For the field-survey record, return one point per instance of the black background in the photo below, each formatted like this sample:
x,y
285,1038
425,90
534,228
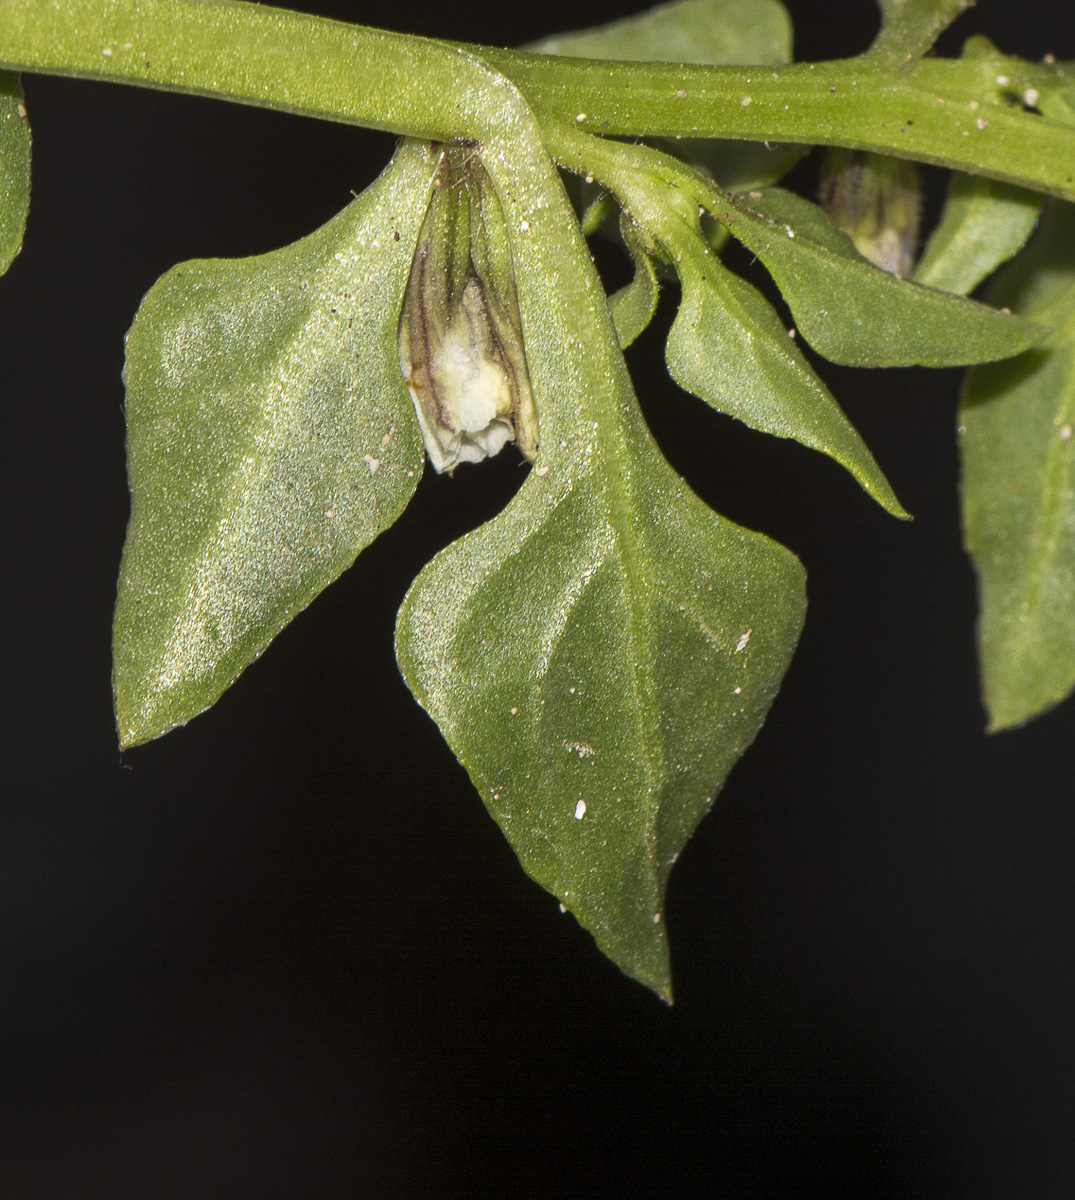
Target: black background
x,y
283,952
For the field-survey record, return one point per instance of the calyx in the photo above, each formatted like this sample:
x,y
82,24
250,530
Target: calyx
x,y
460,334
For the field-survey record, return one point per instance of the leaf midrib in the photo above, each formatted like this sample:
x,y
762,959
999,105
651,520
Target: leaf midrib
x,y
614,501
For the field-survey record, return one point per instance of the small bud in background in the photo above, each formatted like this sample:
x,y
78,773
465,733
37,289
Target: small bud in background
x,y
460,333
876,199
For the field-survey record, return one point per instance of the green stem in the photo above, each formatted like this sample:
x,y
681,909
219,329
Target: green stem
x,y
248,53
274,58
924,114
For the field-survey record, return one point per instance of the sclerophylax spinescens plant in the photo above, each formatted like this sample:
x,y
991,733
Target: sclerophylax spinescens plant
x,y
600,654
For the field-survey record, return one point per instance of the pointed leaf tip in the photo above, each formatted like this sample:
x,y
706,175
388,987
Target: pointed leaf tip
x,y
853,312
14,169
270,438
728,347
1017,422
601,653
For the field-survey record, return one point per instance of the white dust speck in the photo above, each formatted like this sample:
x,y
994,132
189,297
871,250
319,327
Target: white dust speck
x,y
330,513
514,711
388,436
571,690
981,123
1065,433
374,464
562,909
738,691
1003,81
524,225
741,644
581,117
580,810
790,231
542,471
745,101
681,94
107,51
22,111
791,333
1031,97
589,179
656,918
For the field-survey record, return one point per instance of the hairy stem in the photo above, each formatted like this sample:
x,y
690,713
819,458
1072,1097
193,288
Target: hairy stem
x,y
273,58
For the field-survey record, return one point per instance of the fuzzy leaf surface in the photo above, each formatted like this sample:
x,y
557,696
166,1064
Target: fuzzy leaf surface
x,y
270,439
14,169
983,224
1017,421
854,313
728,346
706,32
601,652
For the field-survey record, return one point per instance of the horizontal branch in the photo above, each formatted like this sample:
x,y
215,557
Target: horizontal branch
x,y
274,58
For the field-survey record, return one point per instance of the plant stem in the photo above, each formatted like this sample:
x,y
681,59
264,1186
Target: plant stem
x,y
273,58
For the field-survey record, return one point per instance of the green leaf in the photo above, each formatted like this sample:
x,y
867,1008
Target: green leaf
x,y
598,657
270,439
728,347
633,306
983,224
601,652
596,213
1017,421
851,311
14,169
708,32
910,27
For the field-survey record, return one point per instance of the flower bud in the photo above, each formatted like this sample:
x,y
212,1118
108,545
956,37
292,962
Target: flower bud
x,y
876,199
460,333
